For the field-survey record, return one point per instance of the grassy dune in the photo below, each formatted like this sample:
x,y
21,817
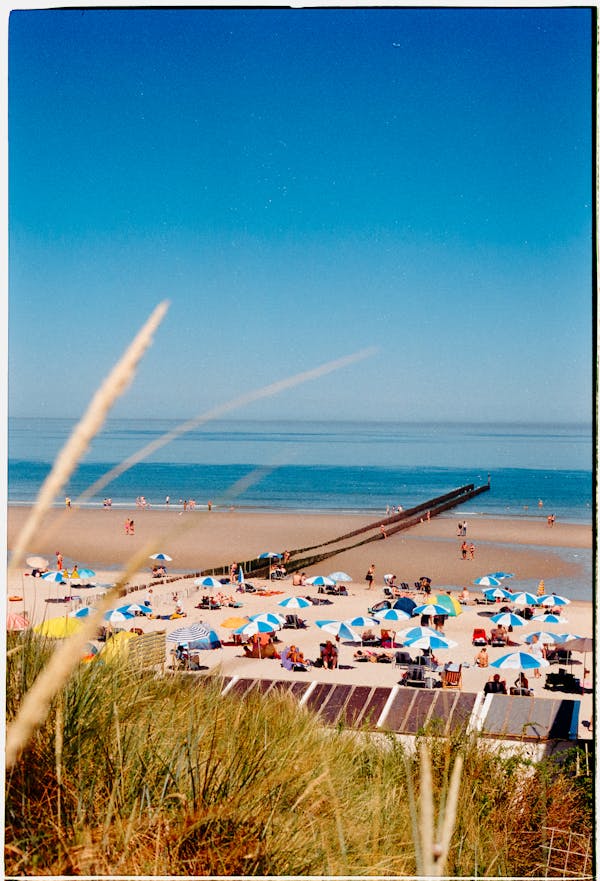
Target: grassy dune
x,y
137,775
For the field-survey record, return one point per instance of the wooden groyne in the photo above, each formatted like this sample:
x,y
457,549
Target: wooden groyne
x,y
371,532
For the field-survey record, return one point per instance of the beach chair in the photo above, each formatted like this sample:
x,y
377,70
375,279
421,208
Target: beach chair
x,y
452,678
417,677
402,659
294,622
479,636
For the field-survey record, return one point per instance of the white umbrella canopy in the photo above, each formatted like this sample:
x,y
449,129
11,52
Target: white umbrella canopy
x,y
392,615
550,619
161,556
339,628
551,599
361,621
507,619
321,581
339,576
415,633
437,641
37,562
294,603
524,599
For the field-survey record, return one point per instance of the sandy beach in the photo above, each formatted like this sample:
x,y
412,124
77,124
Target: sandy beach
x,y
198,540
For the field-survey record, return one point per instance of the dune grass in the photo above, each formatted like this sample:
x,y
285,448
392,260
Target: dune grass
x,y
137,775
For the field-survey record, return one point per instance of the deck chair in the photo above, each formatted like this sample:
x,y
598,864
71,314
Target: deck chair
x,y
452,678
294,622
402,659
479,636
415,676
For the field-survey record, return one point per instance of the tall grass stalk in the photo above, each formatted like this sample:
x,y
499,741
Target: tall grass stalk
x,y
113,386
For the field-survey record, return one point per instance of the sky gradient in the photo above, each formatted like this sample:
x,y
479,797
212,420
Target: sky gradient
x,y
302,184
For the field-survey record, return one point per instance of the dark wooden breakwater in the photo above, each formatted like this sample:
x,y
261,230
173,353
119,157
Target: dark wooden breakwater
x,y
302,558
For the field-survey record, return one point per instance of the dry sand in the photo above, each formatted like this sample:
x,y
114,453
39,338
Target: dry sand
x,y
198,540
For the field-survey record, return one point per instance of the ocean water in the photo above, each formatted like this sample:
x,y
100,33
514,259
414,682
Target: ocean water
x,y
269,464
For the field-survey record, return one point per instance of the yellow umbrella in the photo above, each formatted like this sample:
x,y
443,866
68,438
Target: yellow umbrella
x,y
116,647
541,589
58,628
233,622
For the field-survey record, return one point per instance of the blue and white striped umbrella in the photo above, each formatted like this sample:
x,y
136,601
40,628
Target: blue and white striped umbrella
x,y
437,641
253,627
339,628
268,555
501,575
272,618
114,616
54,576
525,599
430,609
339,576
294,603
415,633
544,638
83,612
191,632
565,637
550,619
132,608
552,599
519,661
161,556
240,575
392,615
321,581
507,619
209,581
497,593
361,621
488,581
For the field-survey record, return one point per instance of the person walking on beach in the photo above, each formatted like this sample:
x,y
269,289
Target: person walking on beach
x,y
59,561
370,576
464,549
464,527
472,551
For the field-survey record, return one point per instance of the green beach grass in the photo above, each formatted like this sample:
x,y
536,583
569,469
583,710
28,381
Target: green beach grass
x,y
135,775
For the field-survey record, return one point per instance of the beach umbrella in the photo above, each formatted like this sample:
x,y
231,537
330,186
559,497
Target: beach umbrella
x,y
339,576
392,615
524,599
361,621
541,588
583,644
234,621
425,578
240,575
340,629
114,616
437,641
430,609
198,630
321,581
519,661
566,637
405,604
450,603
55,576
209,581
82,612
253,627
16,622
58,628
294,603
83,573
507,619
552,599
488,581
501,575
270,556
161,556
415,633
272,618
116,647
544,638
550,619
497,593
132,608
37,562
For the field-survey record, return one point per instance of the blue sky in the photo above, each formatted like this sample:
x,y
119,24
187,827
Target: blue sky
x,y
301,184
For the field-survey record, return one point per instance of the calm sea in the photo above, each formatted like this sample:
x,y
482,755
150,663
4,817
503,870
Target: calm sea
x,y
321,466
